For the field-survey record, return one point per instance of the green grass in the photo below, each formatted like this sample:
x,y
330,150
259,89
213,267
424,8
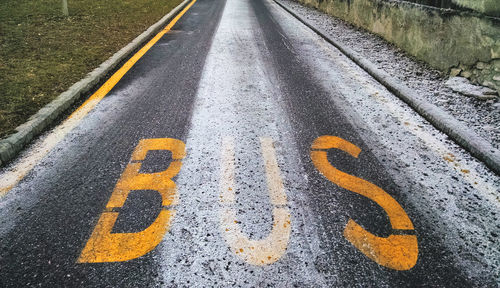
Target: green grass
x,y
42,53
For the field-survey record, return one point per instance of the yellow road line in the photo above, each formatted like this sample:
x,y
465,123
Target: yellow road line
x,y
274,182
15,174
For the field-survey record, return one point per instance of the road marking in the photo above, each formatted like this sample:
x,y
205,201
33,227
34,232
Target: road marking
x,y
274,182
273,247
105,246
11,177
399,252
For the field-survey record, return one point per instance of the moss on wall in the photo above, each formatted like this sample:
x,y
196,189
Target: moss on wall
x,y
445,39
488,7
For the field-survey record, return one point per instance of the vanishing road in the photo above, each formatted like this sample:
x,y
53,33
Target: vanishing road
x,y
243,150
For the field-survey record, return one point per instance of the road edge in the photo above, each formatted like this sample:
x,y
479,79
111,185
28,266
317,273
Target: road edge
x,y
459,133
37,123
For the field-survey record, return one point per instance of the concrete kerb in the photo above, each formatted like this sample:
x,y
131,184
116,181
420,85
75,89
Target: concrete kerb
x,y
477,146
12,145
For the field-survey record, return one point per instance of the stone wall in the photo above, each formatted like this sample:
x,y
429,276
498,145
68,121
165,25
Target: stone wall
x,y
455,42
488,7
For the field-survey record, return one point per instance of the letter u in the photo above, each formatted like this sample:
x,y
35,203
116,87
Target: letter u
x,y
273,247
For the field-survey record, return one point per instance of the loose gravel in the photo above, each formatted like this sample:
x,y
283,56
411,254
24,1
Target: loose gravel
x,y
482,116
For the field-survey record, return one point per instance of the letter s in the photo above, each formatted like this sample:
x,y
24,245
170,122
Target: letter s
x,y
399,252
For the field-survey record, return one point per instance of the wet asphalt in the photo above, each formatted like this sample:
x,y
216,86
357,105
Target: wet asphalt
x,y
227,68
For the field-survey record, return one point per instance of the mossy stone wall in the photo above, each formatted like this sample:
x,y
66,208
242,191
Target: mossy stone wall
x,y
489,7
454,42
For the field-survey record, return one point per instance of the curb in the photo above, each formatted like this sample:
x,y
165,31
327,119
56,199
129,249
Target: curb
x,y
36,124
462,135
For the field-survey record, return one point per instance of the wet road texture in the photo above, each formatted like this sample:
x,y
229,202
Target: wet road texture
x,y
223,159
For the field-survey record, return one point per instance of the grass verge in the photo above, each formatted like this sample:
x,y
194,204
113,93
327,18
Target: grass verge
x,y
42,52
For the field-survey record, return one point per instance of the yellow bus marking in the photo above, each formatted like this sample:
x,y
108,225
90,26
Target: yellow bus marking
x,y
273,247
21,169
274,183
104,246
399,252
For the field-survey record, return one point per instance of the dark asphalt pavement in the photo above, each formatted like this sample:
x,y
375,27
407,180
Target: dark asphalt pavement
x,y
153,100
238,69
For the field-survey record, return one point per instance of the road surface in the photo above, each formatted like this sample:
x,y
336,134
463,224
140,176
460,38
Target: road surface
x,y
243,150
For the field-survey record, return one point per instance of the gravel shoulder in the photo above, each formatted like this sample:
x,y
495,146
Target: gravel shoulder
x,y
483,116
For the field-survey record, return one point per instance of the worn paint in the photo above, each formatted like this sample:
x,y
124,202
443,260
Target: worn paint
x,y
273,247
105,246
399,252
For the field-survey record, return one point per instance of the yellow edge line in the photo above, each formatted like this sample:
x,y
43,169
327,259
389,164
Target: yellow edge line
x,y
90,103
16,173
